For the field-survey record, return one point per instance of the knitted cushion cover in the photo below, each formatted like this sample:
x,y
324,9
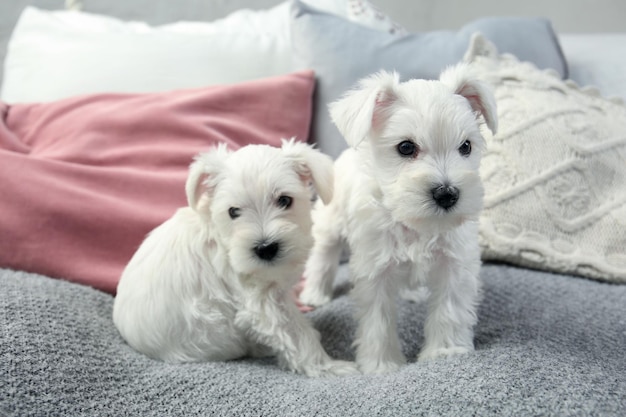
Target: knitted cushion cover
x,y
555,173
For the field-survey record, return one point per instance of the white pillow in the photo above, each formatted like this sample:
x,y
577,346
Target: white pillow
x,y
57,54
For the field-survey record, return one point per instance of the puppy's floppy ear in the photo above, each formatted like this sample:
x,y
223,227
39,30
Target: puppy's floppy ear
x,y
312,165
477,92
203,173
365,109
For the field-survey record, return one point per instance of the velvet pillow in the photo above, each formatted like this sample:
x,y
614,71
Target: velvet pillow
x,y
85,179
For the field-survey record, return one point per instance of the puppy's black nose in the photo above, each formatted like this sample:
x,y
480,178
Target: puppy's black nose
x,y
445,196
267,250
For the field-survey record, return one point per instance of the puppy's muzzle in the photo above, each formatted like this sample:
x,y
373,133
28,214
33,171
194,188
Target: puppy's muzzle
x,y
267,251
445,196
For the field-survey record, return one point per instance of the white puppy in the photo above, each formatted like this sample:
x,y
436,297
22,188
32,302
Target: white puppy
x,y
407,200
214,281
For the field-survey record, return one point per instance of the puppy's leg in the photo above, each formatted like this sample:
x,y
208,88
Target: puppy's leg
x,y
454,294
377,342
273,319
321,267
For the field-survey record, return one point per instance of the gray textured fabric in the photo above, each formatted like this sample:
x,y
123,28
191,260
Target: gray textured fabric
x,y
546,345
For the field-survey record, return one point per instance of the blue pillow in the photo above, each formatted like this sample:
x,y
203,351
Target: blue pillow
x,y
341,52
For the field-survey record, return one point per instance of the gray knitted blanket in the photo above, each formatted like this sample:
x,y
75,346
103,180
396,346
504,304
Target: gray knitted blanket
x,y
545,345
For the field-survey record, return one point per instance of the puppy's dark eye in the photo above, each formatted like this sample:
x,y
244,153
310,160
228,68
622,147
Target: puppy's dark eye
x,y
284,201
466,148
234,212
407,149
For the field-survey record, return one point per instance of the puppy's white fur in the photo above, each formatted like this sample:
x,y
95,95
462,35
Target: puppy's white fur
x,y
384,207
205,286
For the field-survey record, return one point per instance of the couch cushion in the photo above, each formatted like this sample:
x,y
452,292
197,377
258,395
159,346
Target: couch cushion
x,y
597,59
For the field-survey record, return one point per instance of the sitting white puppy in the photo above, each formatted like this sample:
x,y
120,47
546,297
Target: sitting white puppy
x,y
407,200
214,281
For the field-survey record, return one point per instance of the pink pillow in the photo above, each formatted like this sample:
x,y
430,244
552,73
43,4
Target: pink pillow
x,y
86,178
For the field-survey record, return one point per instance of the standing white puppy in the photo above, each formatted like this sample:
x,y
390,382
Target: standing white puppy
x,y
213,282
407,200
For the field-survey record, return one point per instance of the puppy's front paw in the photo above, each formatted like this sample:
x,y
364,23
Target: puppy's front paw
x,y
380,367
332,368
435,353
312,296
341,368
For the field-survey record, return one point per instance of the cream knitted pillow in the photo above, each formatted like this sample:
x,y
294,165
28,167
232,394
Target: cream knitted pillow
x,y
555,173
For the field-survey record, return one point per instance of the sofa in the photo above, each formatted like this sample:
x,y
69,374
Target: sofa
x,y
103,108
